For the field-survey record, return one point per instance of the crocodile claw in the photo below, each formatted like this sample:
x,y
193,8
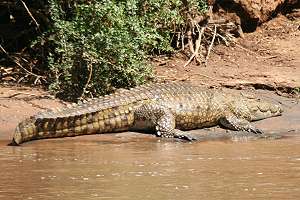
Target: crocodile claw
x,y
256,130
185,136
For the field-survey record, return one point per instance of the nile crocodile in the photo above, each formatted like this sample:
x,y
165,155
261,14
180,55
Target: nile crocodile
x,y
166,109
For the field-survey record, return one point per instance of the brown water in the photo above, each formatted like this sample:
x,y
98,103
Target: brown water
x,y
150,169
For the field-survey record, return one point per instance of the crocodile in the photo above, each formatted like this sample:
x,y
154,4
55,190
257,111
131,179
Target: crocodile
x,y
166,109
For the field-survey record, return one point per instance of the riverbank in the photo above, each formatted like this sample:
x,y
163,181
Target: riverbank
x,y
266,63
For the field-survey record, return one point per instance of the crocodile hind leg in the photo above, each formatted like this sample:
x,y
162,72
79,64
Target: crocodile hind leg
x,y
162,120
234,123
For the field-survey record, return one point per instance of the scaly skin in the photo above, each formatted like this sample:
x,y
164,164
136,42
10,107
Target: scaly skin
x,y
165,108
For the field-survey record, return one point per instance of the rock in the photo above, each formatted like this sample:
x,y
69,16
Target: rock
x,y
261,10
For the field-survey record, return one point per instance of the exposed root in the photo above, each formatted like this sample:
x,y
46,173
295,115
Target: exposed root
x,y
198,41
211,44
198,45
203,33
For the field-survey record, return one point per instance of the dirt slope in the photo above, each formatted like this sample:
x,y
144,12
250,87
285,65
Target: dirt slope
x,y
268,58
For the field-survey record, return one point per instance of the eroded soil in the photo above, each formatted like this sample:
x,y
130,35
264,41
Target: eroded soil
x,y
268,58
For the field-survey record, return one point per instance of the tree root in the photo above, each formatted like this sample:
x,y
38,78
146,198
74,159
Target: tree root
x,y
211,44
198,45
203,33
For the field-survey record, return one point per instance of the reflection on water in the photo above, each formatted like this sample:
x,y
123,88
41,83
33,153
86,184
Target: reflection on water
x,y
151,169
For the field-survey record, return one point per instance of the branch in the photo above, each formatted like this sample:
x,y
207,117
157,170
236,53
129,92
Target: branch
x,y
90,67
197,46
17,63
211,44
29,13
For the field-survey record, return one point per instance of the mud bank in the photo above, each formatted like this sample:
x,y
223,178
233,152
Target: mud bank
x,y
19,103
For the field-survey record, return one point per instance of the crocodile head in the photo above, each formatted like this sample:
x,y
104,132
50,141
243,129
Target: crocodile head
x,y
262,110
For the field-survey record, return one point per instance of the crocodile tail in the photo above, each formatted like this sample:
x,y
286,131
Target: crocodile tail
x,y
55,126
38,127
26,130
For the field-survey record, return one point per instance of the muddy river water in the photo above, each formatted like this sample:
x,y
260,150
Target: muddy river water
x,y
133,166
151,169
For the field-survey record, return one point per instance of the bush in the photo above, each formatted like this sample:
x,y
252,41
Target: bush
x,y
98,46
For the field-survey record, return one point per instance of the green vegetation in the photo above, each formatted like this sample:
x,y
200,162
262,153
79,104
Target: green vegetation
x,y
96,46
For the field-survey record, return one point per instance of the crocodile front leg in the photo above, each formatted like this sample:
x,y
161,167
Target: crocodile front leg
x,y
160,118
234,123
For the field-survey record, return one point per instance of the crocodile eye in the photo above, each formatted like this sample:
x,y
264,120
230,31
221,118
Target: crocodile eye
x,y
143,118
